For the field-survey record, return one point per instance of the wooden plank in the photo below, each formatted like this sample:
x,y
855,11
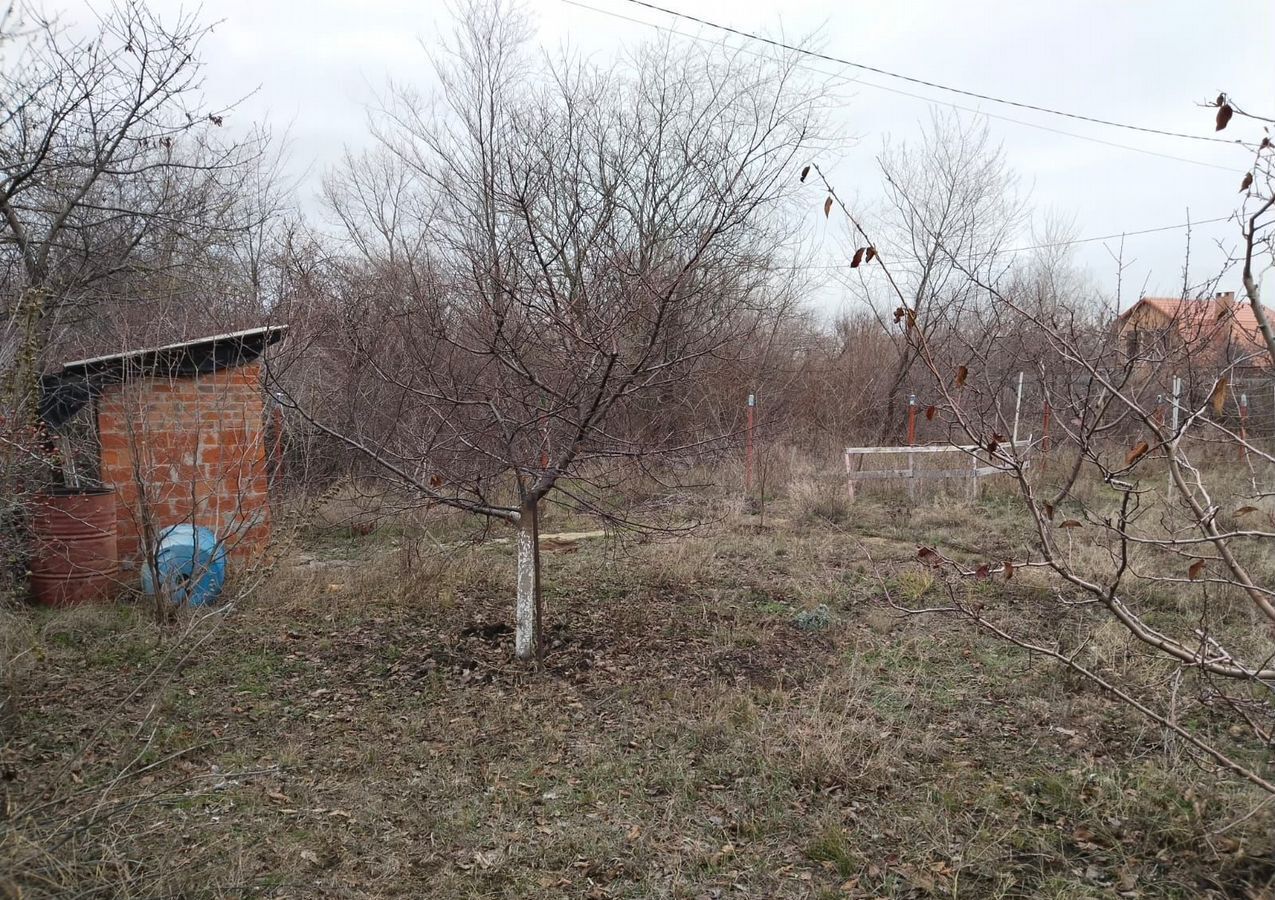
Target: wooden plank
x,y
923,448
882,474
934,448
877,474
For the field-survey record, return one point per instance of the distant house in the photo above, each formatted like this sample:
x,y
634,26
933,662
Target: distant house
x,y
1205,334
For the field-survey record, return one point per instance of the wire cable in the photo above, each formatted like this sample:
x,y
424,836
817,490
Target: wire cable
x,y
1123,234
931,84
921,97
1046,246
1025,249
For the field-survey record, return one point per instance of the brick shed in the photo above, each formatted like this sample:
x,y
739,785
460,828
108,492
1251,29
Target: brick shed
x,y
182,436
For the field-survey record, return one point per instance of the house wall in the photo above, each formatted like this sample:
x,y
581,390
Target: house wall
x,y
1151,325
1192,340
1144,333
1145,317
187,450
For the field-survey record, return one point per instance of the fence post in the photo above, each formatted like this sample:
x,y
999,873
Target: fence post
x,y
748,445
1243,427
911,443
849,477
1177,392
1018,406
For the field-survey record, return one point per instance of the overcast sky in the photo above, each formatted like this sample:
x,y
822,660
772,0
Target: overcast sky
x,y
314,66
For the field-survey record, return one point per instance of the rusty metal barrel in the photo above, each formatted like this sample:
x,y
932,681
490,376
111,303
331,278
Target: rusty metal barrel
x,y
75,558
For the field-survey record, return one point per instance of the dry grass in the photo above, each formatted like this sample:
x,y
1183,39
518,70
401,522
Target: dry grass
x,y
16,660
362,730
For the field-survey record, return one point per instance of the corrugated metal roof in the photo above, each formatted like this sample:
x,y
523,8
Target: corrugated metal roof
x,y
65,392
251,340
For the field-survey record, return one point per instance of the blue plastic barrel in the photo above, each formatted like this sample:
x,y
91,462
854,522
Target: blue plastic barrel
x,y
191,564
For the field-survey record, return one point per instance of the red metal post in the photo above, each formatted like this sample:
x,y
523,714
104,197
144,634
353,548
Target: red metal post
x,y
912,420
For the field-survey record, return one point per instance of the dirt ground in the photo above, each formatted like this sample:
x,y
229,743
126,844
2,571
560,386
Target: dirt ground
x,y
736,713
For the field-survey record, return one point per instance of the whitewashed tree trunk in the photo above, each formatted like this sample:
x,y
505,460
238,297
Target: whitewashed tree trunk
x,y
527,610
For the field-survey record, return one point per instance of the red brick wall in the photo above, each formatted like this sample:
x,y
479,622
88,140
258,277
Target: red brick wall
x,y
188,450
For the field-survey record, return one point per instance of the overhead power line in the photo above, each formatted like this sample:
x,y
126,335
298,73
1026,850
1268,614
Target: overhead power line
x,y
792,48
1045,246
980,112
1123,234
902,93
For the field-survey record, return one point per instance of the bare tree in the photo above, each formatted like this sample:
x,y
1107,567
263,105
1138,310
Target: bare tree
x,y
110,163
950,206
1155,514
533,265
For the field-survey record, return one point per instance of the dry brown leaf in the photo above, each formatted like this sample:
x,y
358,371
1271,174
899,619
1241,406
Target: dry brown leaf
x,y
1070,523
1244,511
1196,569
1137,453
1127,883
804,172
857,260
930,413
1228,844
872,252
1246,182
827,207
1224,113
962,372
